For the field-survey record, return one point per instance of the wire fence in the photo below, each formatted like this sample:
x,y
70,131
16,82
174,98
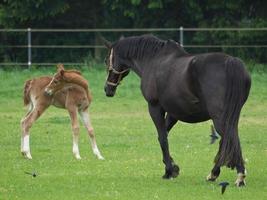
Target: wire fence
x,y
181,32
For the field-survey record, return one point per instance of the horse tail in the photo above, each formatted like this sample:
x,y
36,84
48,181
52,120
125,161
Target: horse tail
x,y
26,92
238,84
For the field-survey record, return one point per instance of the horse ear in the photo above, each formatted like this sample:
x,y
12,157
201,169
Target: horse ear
x,y
62,72
60,67
107,43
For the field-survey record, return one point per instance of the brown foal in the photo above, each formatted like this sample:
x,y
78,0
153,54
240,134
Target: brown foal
x,y
66,89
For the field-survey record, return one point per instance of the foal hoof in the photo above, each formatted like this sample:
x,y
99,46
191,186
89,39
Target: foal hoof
x,y
173,173
99,157
26,155
77,157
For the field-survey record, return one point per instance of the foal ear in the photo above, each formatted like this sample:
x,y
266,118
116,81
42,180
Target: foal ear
x,y
107,43
60,67
62,72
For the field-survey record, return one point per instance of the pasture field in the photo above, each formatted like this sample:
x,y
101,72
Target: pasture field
x,y
126,136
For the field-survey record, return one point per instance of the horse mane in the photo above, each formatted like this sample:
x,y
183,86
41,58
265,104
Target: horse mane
x,y
73,71
139,46
75,77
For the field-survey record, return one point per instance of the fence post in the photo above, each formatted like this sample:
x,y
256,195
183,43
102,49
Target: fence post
x,y
29,47
181,36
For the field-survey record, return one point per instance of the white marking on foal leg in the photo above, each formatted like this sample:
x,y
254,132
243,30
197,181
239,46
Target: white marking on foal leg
x,y
75,147
87,123
26,147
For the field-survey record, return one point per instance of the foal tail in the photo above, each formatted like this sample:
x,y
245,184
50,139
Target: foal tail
x,y
237,89
26,92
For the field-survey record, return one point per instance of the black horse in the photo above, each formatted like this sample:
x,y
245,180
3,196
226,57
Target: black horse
x,y
190,88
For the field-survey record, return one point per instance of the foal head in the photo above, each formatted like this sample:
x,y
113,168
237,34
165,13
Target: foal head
x,y
57,81
117,69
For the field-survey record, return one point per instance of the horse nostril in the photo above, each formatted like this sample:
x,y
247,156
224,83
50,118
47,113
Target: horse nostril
x,y
47,92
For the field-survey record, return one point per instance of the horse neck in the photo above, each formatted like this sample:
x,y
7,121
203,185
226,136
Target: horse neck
x,y
146,63
137,68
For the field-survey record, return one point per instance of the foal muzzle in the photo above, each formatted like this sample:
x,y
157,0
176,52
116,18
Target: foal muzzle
x,y
48,92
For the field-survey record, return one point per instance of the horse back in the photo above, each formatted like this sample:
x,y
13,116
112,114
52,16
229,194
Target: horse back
x,y
177,90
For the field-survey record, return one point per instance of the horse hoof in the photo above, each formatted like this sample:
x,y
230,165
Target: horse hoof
x,y
240,183
173,173
211,177
99,157
78,157
26,155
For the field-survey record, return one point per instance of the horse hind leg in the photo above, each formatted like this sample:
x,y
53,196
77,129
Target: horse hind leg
x,y
216,170
30,109
88,125
241,173
75,131
26,123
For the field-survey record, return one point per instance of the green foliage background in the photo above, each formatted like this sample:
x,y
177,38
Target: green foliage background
x,y
130,14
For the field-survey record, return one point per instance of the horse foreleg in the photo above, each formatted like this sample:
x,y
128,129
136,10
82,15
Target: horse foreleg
x,y
88,125
75,131
157,115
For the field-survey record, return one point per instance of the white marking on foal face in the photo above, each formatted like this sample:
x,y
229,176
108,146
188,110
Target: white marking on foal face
x,y
53,86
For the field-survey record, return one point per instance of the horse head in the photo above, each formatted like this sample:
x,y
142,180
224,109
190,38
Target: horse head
x,y
57,81
117,68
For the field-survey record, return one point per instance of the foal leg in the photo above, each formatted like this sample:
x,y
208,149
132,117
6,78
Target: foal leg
x,y
75,131
26,124
30,109
88,125
157,115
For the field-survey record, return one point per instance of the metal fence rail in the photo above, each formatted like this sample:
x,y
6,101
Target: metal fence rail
x,y
181,32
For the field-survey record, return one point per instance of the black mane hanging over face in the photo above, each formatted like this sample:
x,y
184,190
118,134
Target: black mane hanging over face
x,y
139,47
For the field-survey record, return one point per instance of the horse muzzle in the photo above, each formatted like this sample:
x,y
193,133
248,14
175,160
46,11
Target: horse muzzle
x,y
110,90
48,92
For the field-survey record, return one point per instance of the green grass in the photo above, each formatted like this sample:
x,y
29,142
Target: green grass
x,y
126,136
